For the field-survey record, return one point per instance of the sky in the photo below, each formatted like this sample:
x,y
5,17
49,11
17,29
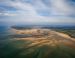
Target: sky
x,y
38,11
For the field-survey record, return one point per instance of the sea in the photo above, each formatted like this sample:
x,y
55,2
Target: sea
x,y
5,29
16,49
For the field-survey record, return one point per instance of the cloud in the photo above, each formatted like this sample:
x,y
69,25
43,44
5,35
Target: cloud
x,y
53,7
7,14
39,11
61,7
21,7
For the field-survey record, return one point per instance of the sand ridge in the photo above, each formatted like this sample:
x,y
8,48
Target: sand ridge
x,y
45,37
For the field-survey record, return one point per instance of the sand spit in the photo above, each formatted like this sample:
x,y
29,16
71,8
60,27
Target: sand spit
x,y
45,37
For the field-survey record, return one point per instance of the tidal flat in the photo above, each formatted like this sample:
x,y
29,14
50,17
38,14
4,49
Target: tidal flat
x,y
37,43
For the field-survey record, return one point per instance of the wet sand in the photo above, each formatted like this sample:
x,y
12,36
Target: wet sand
x,y
45,37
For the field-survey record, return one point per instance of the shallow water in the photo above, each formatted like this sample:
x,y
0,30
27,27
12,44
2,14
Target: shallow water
x,y
4,32
18,48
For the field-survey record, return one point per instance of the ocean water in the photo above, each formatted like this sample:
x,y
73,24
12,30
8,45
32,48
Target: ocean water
x,y
5,29
16,49
4,32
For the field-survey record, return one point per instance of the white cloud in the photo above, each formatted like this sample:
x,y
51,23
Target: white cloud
x,y
61,7
56,7
59,11
8,14
21,6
